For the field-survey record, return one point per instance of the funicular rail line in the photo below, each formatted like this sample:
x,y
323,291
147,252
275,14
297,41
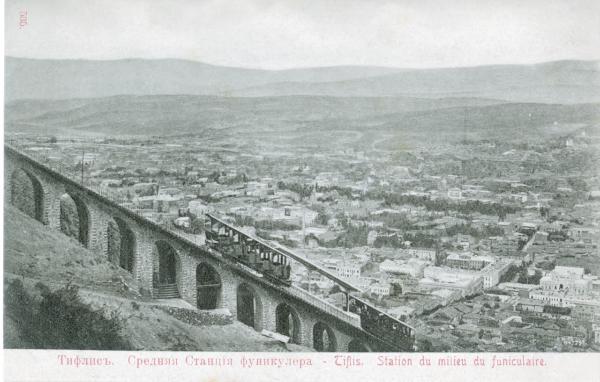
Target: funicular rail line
x,y
373,320
278,248
345,315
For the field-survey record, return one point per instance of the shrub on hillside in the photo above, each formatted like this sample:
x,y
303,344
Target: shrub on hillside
x,y
61,320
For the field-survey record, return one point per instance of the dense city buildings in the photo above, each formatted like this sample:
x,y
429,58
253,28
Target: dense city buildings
x,y
475,258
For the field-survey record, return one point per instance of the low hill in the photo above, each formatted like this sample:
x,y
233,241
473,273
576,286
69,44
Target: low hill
x,y
65,79
280,117
42,264
553,82
167,115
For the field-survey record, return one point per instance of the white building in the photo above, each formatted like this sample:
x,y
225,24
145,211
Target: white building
x,y
447,296
157,203
421,253
554,298
566,278
197,207
446,278
183,222
493,272
296,215
348,269
596,329
381,289
413,267
454,193
467,260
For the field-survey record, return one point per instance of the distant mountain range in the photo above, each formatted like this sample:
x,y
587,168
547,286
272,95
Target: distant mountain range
x,y
564,82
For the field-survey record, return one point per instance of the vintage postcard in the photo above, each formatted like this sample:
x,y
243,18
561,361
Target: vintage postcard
x,y
291,190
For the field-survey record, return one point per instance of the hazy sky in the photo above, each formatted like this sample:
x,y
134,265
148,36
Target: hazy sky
x,y
286,33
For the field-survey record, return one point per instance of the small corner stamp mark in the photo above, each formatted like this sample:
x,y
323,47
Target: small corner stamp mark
x,y
23,20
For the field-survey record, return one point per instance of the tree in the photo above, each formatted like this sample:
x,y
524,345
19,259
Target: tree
x,y
396,289
322,218
197,226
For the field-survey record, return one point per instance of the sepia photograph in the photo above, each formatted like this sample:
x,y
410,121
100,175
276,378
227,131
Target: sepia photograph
x,y
264,181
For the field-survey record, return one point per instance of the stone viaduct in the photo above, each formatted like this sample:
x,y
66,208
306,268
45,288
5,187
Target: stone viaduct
x,y
201,276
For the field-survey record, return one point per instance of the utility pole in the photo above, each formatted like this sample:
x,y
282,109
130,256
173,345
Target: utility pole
x,y
303,228
82,158
465,124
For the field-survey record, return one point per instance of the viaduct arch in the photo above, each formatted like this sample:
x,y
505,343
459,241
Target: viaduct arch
x,y
166,264
249,306
75,217
208,287
287,322
27,194
323,338
157,257
121,244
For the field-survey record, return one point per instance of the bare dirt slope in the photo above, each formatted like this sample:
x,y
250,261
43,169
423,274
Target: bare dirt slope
x,y
34,254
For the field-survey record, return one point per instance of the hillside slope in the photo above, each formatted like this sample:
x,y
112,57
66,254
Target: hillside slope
x,y
278,116
552,82
36,255
184,114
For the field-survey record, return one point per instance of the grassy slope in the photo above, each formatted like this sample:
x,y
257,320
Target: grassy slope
x,y
284,116
35,253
